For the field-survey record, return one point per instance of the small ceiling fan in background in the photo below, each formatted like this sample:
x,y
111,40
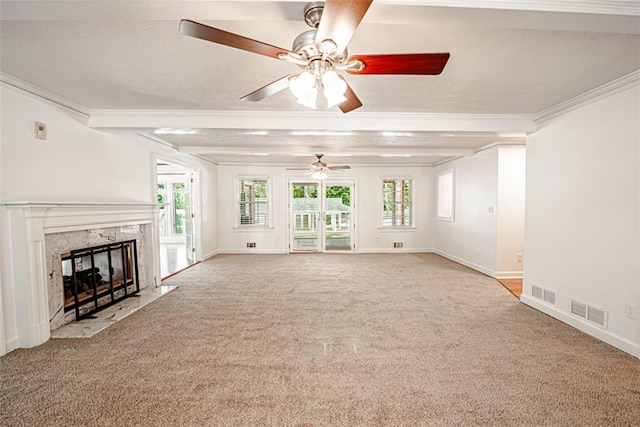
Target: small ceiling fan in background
x,y
321,52
318,169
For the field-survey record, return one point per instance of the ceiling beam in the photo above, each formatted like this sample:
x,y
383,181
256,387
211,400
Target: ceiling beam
x,y
269,120
289,151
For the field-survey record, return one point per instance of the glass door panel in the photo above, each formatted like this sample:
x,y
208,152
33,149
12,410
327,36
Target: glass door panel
x,y
337,217
188,219
305,211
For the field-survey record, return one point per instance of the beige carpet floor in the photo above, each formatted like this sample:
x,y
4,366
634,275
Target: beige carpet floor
x,y
326,340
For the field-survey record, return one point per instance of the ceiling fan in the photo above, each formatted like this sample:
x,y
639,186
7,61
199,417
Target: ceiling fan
x,y
318,169
321,52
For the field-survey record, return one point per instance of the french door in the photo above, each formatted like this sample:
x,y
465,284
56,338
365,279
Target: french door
x,y
190,244
321,216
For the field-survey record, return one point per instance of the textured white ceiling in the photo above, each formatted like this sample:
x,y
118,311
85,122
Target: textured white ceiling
x,y
129,55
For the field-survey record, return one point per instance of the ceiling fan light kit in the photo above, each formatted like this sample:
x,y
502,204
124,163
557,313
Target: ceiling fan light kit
x,y
318,169
319,175
321,52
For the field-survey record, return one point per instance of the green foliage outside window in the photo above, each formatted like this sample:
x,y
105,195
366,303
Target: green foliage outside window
x,y
305,191
396,203
343,192
161,194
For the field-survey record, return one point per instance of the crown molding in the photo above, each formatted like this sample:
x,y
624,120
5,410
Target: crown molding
x,y
589,97
601,7
40,94
237,10
155,140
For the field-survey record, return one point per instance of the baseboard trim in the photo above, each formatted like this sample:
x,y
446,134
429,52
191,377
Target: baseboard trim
x,y
210,255
394,251
10,345
484,270
251,251
605,336
509,275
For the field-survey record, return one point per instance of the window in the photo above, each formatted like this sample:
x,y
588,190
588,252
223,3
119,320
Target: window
x,y
179,208
253,202
446,195
173,196
396,203
162,197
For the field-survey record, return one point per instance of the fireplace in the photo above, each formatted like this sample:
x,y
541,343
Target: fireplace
x,y
40,233
103,260
96,277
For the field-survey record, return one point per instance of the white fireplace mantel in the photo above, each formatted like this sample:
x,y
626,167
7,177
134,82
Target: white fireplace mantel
x,y
28,223
70,216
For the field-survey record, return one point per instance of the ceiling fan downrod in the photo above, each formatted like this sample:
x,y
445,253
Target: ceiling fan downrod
x,y
313,13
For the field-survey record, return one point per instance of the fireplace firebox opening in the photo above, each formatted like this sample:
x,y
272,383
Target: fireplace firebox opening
x,y
97,277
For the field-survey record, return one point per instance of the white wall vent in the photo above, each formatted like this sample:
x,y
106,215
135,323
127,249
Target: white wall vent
x,y
549,296
579,308
398,244
536,291
593,314
597,316
545,295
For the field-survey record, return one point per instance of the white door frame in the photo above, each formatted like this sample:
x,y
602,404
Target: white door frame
x,y
196,197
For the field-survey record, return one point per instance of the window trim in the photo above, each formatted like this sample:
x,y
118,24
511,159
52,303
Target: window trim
x,y
236,216
452,193
412,208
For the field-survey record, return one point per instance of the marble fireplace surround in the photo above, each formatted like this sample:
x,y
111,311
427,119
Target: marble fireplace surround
x,y
58,244
37,227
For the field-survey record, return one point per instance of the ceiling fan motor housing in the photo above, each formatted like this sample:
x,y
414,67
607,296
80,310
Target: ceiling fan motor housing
x,y
320,165
305,46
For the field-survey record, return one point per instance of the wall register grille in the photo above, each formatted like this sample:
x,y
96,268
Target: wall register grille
x,y
590,313
543,294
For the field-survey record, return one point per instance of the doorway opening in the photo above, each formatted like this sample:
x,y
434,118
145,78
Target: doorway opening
x,y
176,218
321,216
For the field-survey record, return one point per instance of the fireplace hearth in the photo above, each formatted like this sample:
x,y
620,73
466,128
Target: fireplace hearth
x,y
96,277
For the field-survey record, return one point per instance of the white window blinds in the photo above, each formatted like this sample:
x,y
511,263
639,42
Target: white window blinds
x,y
396,203
253,202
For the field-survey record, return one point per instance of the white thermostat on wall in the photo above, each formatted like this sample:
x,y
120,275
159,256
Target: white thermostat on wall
x,y
40,130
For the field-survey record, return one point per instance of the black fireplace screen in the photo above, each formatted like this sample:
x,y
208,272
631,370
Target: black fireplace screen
x,y
97,277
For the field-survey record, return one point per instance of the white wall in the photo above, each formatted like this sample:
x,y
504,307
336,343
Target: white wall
x,y
510,211
3,249
232,239
471,239
368,193
75,163
487,233
373,238
78,164
582,214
